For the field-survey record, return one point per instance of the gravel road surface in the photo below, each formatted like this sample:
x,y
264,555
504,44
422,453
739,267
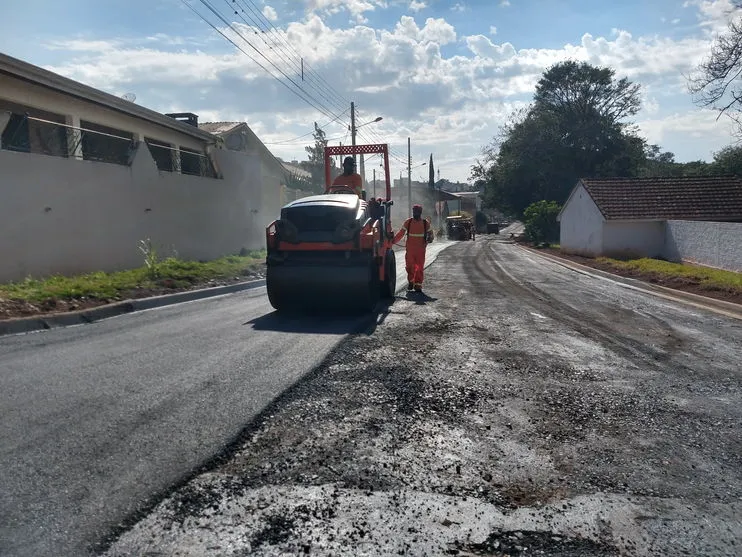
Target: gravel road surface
x,y
99,422
516,408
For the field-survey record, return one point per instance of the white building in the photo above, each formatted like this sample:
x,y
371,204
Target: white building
x,y
85,175
685,218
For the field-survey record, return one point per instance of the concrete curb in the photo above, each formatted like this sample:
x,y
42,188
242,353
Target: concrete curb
x,y
729,309
82,317
56,320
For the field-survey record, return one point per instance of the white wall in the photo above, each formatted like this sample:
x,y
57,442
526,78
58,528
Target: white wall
x,y
70,216
633,238
581,225
716,244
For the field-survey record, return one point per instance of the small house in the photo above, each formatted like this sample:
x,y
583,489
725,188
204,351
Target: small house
x,y
693,218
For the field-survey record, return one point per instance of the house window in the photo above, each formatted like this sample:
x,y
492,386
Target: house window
x,y
195,163
163,154
105,144
190,161
32,130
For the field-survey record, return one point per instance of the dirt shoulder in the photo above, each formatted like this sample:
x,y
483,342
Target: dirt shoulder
x,y
682,283
473,420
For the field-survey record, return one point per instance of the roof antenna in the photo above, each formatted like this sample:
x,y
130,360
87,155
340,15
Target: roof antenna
x,y
131,97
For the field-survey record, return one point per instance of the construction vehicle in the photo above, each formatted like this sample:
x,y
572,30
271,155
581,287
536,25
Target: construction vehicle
x,y
333,251
459,228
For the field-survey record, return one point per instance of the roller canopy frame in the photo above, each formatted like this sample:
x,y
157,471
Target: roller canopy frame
x,y
368,149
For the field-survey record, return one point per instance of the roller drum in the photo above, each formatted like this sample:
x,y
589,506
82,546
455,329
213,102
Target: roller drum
x,y
323,282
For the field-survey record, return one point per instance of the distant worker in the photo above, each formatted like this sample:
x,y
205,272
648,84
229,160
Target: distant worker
x,y
418,236
349,178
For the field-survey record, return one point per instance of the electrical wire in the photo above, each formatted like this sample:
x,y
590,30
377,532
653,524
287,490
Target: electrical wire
x,y
295,139
308,70
254,15
301,93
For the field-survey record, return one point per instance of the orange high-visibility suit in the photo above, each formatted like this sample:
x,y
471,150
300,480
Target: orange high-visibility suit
x,y
416,230
352,180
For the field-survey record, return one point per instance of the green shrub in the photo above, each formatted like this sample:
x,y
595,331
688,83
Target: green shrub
x,y
540,221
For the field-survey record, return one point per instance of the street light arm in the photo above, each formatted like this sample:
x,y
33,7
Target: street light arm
x,y
378,119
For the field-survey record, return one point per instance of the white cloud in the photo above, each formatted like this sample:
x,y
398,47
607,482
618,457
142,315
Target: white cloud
x,y
689,131
458,7
714,15
416,6
493,30
270,13
81,45
451,103
483,47
504,3
355,7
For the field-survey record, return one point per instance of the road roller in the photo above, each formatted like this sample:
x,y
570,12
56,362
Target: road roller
x,y
333,252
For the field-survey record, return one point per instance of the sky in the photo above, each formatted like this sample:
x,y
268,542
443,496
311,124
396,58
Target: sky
x,y
444,73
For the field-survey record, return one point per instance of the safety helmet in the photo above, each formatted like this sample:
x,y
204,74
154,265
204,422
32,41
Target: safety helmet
x,y
417,210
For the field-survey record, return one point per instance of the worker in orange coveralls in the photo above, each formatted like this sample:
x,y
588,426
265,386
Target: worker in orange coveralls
x,y
417,230
349,177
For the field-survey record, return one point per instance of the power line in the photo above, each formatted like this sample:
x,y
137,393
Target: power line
x,y
276,48
328,139
288,55
306,97
378,139
323,83
292,140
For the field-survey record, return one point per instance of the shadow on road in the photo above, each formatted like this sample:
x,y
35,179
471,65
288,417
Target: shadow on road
x,y
418,298
314,324
322,323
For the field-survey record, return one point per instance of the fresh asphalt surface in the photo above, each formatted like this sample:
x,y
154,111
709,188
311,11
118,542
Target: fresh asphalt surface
x,y
97,419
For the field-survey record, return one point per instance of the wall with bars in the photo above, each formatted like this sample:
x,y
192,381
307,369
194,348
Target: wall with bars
x,y
31,95
66,216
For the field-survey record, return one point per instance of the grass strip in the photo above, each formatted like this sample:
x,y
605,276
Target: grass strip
x,y
706,277
169,273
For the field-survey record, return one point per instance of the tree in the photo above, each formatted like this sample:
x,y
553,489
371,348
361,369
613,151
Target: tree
x,y
728,160
541,224
716,83
431,173
316,163
574,128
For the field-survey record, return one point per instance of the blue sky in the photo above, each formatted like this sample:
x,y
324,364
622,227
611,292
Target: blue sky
x,y
445,73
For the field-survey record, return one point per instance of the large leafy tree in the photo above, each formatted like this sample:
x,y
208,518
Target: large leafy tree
x,y
575,127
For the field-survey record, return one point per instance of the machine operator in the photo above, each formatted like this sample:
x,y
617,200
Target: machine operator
x,y
349,178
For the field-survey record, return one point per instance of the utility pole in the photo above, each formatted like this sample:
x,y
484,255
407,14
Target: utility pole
x,y
353,126
374,183
409,176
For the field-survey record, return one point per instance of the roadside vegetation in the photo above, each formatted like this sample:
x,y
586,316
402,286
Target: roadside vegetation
x,y
156,276
705,277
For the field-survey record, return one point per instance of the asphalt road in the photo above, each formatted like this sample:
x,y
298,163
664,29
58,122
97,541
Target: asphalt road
x,y
517,407
98,420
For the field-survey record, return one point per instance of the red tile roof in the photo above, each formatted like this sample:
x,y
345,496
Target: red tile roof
x,y
712,198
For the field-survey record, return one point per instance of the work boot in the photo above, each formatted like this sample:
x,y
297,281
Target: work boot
x,y
418,288
410,286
